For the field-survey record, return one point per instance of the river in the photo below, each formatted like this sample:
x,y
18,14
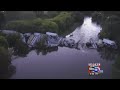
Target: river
x,y
64,62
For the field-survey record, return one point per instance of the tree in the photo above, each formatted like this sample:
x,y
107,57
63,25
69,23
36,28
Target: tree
x,y
12,15
3,42
12,39
2,19
38,13
6,69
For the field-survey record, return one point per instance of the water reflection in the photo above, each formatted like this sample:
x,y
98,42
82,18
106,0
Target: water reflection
x,y
110,54
116,68
6,68
107,53
46,50
21,50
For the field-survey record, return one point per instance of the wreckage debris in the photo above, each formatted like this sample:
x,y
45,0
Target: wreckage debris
x,y
53,40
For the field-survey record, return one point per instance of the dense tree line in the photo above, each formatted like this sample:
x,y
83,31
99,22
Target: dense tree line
x,y
53,21
110,22
2,19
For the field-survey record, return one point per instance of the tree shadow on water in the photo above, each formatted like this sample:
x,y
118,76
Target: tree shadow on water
x,y
6,68
45,51
21,50
110,54
116,68
107,53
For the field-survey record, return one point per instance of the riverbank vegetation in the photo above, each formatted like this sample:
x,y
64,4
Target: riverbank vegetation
x,y
4,55
110,22
61,23
14,41
6,69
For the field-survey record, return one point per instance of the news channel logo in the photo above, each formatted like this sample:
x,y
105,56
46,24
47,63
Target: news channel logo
x,y
94,69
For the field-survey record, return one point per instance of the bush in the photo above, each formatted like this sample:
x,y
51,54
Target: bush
x,y
98,17
36,25
12,39
3,53
58,24
20,48
2,19
78,17
6,69
111,26
19,15
52,14
112,19
63,20
50,26
66,20
4,56
20,26
3,42
117,62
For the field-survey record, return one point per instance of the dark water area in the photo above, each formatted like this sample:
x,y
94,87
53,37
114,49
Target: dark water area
x,y
64,62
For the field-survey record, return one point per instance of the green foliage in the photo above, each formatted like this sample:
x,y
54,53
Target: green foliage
x,y
19,15
3,42
58,24
2,34
78,17
3,53
11,15
2,19
15,41
51,14
98,17
63,20
66,20
12,39
20,48
20,26
116,68
46,14
6,69
111,28
36,25
37,22
50,26
62,17
38,13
